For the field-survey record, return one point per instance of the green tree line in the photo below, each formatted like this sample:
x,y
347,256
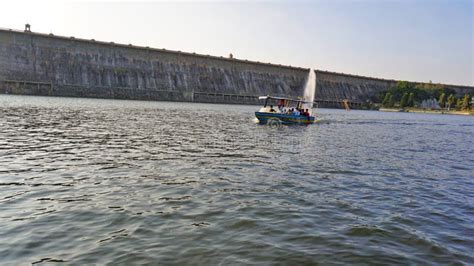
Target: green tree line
x,y
405,94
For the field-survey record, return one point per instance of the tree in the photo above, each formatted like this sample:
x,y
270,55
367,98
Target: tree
x,y
442,100
459,103
465,102
401,88
386,99
430,90
404,100
411,99
391,101
451,101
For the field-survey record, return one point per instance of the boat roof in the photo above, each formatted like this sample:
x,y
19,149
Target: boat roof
x,y
282,98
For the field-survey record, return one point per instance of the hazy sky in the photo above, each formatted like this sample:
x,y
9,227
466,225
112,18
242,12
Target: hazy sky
x,y
408,40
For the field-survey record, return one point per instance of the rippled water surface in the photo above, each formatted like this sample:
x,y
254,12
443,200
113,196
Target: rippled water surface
x,y
103,181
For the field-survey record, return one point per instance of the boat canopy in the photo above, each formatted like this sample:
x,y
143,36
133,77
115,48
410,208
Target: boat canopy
x,y
267,97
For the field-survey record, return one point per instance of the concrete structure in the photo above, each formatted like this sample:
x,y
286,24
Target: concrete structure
x,y
44,64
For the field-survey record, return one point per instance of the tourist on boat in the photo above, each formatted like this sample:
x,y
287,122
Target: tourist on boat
x,y
296,112
281,104
272,110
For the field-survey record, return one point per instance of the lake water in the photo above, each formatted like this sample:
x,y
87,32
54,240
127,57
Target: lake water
x,y
104,181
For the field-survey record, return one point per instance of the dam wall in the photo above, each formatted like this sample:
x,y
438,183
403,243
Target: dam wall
x,y
331,85
44,64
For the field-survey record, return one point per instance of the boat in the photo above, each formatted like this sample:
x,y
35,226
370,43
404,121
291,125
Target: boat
x,y
280,112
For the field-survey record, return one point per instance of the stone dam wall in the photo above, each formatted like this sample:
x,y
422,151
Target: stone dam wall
x,y
44,64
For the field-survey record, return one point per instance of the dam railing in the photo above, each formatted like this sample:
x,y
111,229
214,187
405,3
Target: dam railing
x,y
214,97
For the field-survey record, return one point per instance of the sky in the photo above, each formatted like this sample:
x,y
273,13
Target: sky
x,y
415,40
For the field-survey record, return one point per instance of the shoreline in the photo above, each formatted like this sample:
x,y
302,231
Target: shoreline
x,y
426,111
